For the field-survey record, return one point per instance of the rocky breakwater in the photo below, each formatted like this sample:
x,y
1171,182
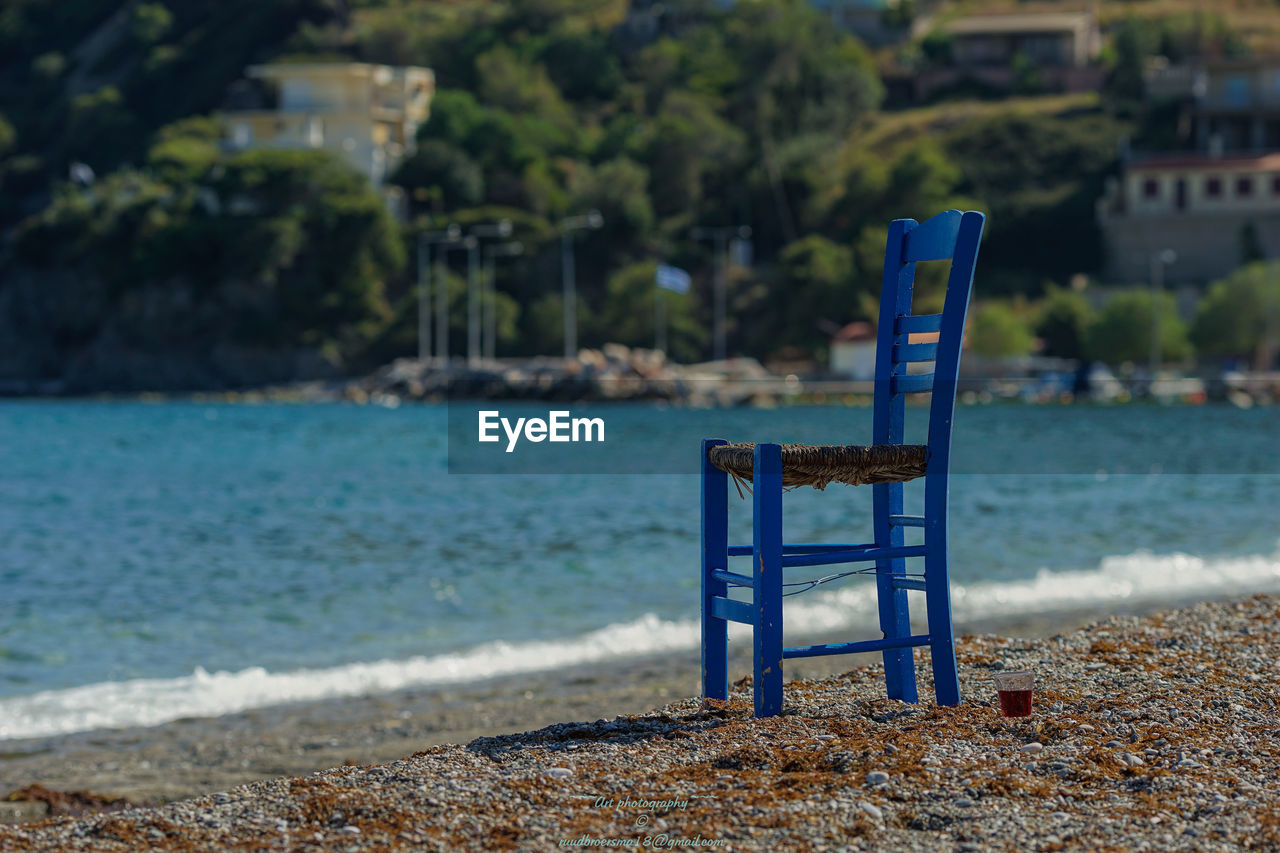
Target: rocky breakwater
x,y
613,372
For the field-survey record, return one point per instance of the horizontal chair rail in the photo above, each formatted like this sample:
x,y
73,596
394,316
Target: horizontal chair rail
x,y
734,611
856,647
747,550
918,323
915,352
731,577
906,520
911,384
832,558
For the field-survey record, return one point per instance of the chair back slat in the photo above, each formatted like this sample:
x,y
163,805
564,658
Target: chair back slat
x,y
913,384
917,323
903,353
934,240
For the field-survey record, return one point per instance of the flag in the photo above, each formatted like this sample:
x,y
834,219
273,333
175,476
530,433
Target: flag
x,y
672,278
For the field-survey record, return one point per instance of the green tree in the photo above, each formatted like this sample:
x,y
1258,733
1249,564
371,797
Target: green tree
x,y
1234,316
324,241
628,314
101,129
686,141
520,88
582,64
1065,316
813,283
1122,331
618,189
293,247
996,331
1131,45
151,22
1039,177
7,136
923,178
442,167
185,150
937,47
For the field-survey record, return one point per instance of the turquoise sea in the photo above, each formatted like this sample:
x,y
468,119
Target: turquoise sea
x,y
162,560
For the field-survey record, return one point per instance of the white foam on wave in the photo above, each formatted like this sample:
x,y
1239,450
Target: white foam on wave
x,y
1133,580
1119,581
150,701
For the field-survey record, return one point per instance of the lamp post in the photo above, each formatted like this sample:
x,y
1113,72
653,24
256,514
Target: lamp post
x,y
505,250
592,220
501,228
720,238
1159,260
426,240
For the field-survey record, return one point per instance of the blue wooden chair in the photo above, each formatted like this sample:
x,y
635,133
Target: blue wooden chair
x,y
887,464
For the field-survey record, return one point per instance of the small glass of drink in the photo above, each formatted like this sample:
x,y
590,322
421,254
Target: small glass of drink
x,y
1015,692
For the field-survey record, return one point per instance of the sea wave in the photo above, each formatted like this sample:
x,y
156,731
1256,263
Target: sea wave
x,y
1122,581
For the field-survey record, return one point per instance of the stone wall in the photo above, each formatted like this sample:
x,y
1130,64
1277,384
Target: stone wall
x,y
1209,246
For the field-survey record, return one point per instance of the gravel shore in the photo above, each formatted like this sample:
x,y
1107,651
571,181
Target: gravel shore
x,y
1154,733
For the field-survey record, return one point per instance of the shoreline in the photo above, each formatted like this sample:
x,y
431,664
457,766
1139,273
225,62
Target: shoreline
x,y
617,373
1148,733
196,756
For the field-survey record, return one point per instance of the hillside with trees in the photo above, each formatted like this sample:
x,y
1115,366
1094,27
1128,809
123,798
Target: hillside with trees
x,y
182,265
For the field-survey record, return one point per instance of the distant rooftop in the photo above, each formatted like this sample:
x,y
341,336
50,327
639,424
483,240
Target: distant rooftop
x,y
346,69
1189,160
855,332
1048,22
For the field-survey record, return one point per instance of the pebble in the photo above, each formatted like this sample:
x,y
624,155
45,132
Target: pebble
x,y
1131,759
877,777
964,803
871,809
1031,748
560,773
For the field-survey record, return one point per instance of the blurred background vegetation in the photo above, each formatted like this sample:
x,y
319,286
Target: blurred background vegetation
x,y
757,113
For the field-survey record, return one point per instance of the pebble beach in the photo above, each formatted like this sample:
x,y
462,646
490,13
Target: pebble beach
x,y
1149,733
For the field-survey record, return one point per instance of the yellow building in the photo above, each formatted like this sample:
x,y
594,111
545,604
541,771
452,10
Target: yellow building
x,y
367,113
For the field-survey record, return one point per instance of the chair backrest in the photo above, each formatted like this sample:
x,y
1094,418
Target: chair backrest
x,y
953,236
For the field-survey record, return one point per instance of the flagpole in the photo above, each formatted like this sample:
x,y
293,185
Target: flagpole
x,y
659,320
665,278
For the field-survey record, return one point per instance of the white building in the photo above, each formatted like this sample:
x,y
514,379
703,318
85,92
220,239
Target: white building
x,y
853,351
367,113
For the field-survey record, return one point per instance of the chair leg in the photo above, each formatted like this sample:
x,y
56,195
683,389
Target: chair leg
x,y
895,613
715,555
767,574
895,621
946,682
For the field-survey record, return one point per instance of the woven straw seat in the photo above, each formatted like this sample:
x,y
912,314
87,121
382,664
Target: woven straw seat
x,y
819,464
